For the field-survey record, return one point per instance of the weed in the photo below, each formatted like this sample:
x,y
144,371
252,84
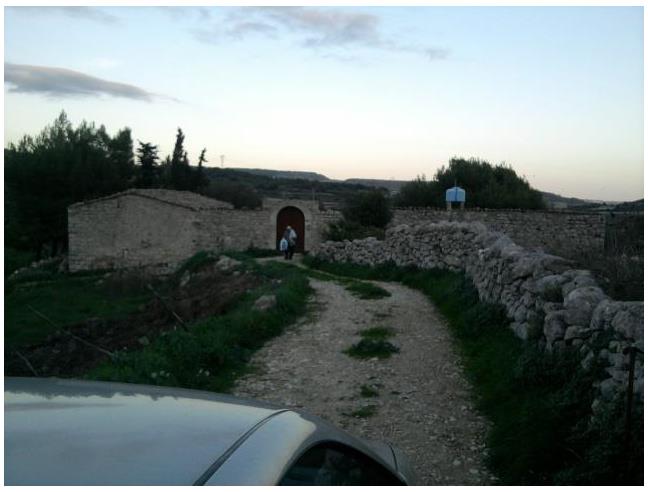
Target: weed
x,y
217,348
363,412
378,333
261,253
66,300
195,263
373,344
365,290
367,391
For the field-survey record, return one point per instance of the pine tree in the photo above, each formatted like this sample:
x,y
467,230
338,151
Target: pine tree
x,y
179,164
147,155
199,181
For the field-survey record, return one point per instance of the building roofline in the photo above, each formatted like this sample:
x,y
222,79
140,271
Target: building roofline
x,y
135,192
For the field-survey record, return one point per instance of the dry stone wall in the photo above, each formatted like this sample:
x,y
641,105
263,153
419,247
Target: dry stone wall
x,y
129,231
546,299
563,233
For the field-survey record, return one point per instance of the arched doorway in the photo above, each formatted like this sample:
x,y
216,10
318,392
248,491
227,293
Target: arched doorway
x,y
293,217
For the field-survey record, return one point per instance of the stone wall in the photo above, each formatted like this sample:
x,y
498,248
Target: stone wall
x,y
563,233
129,231
161,228
546,299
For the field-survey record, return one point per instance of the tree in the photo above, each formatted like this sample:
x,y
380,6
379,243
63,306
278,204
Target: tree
x,y
180,169
60,166
486,186
370,208
365,214
418,193
147,155
199,181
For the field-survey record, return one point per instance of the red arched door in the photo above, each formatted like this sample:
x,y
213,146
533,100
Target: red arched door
x,y
293,217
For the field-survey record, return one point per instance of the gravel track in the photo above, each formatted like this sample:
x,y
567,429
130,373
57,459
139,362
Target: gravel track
x,y
423,404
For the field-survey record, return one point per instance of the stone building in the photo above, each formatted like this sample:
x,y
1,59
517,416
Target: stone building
x,y
162,228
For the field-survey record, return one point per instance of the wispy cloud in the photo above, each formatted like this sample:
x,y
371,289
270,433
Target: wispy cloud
x,y
87,13
61,82
318,28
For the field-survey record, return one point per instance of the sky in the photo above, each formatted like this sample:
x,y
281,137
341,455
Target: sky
x,y
349,92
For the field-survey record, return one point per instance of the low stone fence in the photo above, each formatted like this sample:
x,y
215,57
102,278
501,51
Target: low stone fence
x,y
567,234
547,300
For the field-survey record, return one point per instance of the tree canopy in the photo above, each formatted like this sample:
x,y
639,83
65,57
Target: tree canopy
x,y
486,186
60,166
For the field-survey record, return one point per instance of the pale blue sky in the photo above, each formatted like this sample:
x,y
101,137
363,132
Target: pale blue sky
x,y
349,92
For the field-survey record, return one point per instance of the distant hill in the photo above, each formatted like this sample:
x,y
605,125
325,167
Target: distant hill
x,y
287,184
273,173
635,206
557,201
312,185
392,185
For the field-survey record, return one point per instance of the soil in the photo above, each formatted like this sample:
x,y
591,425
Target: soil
x,y
422,402
206,293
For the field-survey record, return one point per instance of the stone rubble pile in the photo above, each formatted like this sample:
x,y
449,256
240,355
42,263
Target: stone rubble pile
x,y
547,299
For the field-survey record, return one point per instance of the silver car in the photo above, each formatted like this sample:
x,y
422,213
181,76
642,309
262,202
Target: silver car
x,y
66,432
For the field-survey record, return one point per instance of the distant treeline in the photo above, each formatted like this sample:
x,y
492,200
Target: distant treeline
x,y
486,186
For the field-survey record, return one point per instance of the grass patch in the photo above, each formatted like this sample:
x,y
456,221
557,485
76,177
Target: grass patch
x,y
367,391
262,253
539,404
65,300
373,344
194,263
363,412
215,351
365,290
378,333
15,259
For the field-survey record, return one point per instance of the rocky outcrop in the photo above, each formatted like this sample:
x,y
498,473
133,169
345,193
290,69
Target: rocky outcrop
x,y
547,299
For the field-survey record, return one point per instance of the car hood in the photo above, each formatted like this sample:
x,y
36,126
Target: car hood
x,y
117,433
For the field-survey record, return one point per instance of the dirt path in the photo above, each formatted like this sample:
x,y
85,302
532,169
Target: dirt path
x,y
423,404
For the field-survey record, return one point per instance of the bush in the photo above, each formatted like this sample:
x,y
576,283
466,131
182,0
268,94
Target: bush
x,y
369,209
341,230
486,186
365,214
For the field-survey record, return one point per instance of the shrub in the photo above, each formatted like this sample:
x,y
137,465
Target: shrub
x,y
373,344
369,209
486,186
365,290
342,229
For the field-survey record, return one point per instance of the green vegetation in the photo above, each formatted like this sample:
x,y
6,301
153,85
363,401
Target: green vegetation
x,y
366,290
62,165
539,404
214,351
15,259
363,412
365,214
64,299
367,391
486,186
378,333
373,344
